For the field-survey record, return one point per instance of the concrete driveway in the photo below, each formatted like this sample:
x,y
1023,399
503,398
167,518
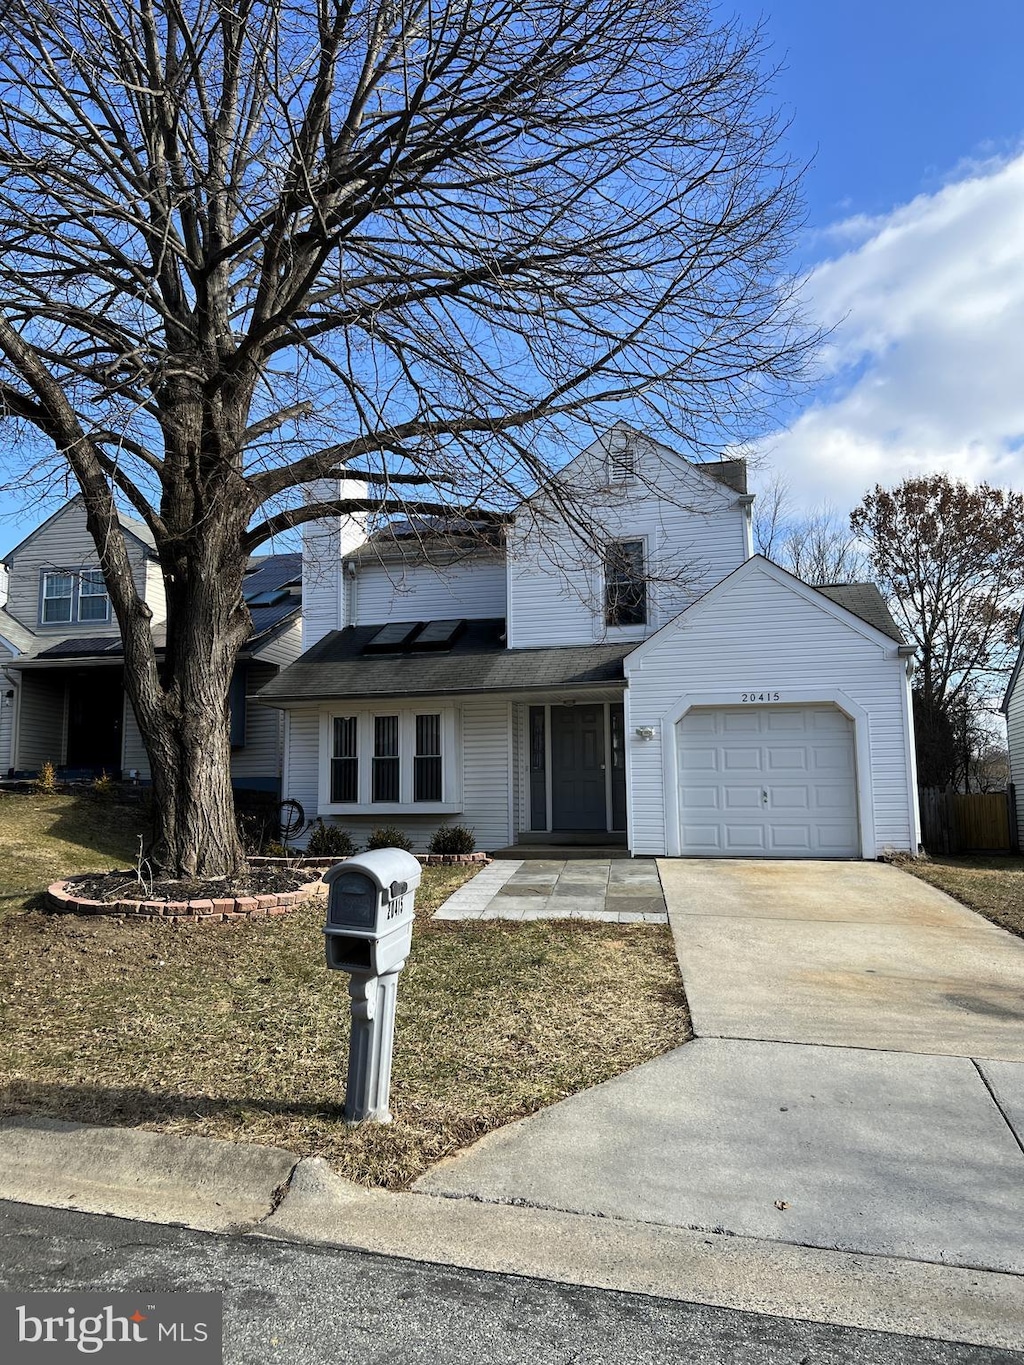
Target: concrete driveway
x,y
846,954
857,1081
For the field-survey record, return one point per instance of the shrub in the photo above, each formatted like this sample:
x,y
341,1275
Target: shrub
x,y
275,850
388,836
329,841
104,784
47,779
453,839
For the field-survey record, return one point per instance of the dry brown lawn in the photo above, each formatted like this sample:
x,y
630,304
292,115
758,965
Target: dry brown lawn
x,y
238,1031
991,884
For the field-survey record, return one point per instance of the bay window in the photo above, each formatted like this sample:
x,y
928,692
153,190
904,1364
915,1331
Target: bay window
x,y
399,760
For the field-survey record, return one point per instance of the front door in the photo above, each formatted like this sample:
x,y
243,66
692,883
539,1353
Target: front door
x,y
578,783
95,710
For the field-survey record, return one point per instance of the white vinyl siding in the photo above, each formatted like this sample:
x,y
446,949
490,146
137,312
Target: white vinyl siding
x,y
472,589
481,755
64,543
1015,742
759,635
325,594
694,535
283,649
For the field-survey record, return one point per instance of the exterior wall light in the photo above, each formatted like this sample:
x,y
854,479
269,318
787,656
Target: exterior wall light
x,y
645,732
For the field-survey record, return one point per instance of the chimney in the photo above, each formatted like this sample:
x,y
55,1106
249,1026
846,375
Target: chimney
x,y
325,543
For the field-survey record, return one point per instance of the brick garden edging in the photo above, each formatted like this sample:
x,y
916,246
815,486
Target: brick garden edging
x,y
58,897
427,860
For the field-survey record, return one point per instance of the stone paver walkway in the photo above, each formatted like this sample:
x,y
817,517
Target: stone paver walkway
x,y
611,890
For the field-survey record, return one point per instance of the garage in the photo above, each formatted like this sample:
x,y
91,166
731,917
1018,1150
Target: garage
x,y
767,781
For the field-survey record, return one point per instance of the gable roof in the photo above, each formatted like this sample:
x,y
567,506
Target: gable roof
x,y
836,599
724,474
138,529
865,601
477,661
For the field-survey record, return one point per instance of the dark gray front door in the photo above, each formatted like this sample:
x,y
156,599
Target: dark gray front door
x,y
578,792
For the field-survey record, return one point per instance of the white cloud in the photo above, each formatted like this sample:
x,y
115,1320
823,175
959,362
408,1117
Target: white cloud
x,y
924,370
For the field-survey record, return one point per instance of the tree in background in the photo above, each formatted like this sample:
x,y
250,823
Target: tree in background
x,y
248,247
818,546
948,559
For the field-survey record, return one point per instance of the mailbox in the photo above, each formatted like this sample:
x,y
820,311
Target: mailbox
x,y
370,911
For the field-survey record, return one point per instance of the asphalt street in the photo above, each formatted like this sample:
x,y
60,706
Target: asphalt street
x,y
311,1305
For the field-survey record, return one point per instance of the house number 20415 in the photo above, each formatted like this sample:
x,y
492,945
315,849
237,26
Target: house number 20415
x,y
760,696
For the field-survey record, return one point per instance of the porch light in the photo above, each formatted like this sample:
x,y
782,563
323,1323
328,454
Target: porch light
x,y
645,732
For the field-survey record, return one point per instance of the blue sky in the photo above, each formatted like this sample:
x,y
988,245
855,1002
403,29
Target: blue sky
x,y
912,115
889,96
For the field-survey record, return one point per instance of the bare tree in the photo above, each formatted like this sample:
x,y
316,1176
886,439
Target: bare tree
x,y
819,546
245,247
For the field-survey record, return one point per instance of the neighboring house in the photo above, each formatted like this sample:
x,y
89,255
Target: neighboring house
x,y
61,677
649,682
1013,709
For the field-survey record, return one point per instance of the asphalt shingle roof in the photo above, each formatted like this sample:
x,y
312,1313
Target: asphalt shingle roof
x,y
865,601
477,662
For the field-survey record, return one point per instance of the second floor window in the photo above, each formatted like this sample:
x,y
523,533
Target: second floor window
x,y
625,584
78,595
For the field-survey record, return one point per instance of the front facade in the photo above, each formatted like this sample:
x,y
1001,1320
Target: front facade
x,y
635,677
61,678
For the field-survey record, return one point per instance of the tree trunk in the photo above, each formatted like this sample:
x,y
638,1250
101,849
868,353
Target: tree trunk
x,y
190,759
182,706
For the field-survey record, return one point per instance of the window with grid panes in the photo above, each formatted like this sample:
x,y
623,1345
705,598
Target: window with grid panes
x,y
427,775
386,761
345,760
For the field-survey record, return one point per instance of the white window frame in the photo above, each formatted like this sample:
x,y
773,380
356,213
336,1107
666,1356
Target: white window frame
x,y
69,598
451,764
104,593
75,598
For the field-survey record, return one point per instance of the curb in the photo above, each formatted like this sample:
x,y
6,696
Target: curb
x,y
237,1188
205,1183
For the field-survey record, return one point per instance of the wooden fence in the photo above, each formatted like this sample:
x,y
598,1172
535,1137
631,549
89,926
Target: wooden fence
x,y
955,822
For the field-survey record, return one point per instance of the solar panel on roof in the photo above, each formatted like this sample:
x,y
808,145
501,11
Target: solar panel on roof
x,y
438,635
393,638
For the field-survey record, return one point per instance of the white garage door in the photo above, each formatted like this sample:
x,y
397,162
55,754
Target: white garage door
x,y
768,782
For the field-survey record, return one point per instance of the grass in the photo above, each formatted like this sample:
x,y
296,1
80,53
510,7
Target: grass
x,y
43,838
238,1031
992,884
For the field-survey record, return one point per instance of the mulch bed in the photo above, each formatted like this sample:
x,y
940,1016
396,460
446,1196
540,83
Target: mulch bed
x,y
118,886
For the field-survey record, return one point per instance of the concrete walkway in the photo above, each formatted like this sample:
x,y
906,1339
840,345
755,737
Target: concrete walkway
x,y
603,889
857,1083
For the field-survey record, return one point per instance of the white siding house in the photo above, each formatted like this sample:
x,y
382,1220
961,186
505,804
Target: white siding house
x,y
780,726
634,677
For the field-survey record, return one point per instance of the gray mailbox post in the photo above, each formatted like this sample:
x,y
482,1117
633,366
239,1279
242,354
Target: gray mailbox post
x,y
368,934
